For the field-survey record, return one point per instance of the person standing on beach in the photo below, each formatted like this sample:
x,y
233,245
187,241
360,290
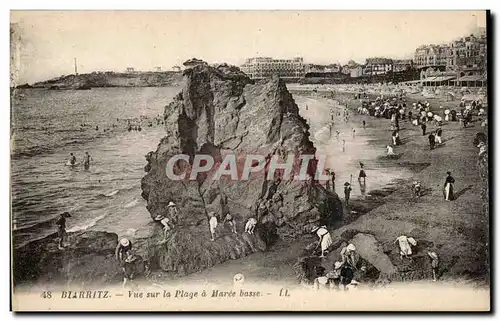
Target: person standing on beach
x,y
432,141
439,132
61,230
353,133
448,187
332,177
343,145
394,137
362,174
338,134
364,124
347,192
424,127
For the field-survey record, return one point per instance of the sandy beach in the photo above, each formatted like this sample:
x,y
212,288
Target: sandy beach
x,y
457,230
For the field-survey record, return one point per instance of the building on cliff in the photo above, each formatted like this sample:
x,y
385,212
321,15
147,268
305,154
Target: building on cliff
x,y
265,67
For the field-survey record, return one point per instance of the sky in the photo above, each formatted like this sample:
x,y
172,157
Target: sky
x,y
46,42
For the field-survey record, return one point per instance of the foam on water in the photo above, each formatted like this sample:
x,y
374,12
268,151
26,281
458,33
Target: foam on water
x,y
47,127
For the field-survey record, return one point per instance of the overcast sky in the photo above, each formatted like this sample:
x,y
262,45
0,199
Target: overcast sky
x,y
114,40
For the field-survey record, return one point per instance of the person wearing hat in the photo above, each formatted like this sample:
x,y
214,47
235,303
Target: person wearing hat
x,y
347,192
123,249
325,239
61,228
448,187
212,222
348,254
173,213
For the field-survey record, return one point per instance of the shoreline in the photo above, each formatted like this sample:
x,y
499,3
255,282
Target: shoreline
x,y
383,199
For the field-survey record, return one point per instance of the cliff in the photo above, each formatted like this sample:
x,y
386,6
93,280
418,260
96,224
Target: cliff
x,y
112,79
221,111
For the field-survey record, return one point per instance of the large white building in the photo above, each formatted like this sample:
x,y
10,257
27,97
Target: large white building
x,y
264,67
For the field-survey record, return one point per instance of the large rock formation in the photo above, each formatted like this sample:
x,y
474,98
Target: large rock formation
x,y
221,111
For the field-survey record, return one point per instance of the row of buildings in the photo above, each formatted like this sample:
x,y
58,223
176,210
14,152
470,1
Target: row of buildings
x,y
460,58
263,67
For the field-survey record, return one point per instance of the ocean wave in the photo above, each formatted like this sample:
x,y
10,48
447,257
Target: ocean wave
x,y
111,193
131,204
86,225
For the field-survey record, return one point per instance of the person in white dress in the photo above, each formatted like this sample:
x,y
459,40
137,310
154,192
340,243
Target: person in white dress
x,y
250,225
405,246
390,151
213,225
325,239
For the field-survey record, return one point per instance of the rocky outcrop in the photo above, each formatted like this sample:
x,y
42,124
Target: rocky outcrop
x,y
87,260
112,79
221,111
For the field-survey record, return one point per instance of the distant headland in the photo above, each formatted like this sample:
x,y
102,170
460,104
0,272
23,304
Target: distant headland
x,y
110,79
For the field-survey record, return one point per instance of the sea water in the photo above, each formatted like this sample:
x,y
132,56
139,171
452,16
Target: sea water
x,y
47,126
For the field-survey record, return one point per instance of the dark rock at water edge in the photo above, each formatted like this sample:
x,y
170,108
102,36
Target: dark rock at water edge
x,y
219,111
87,260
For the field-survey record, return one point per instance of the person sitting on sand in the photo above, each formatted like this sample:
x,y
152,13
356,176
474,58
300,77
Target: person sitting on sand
x,y
61,229
325,239
347,192
213,225
122,250
250,225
